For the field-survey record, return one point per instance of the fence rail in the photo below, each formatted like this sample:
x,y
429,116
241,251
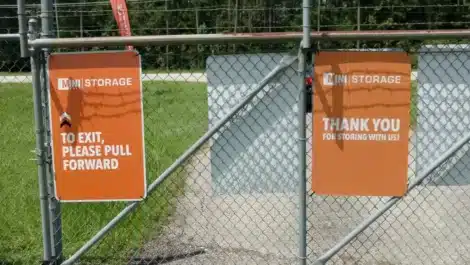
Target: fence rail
x,y
250,37
11,36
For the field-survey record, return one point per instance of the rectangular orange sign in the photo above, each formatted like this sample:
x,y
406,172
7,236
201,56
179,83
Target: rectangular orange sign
x,y
361,123
96,119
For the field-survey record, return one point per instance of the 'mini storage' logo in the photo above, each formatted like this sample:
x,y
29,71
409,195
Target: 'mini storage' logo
x,y
331,79
71,84
334,79
68,84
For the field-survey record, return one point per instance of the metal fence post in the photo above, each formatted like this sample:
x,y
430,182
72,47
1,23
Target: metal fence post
x,y
302,160
40,148
305,44
46,18
55,211
54,205
22,29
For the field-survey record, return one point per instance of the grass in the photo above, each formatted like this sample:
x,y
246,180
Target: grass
x,y
175,116
14,73
164,71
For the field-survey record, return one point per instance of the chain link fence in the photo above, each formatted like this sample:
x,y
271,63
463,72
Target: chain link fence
x,y
235,199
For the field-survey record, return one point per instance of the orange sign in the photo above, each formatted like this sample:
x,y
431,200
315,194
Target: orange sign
x,y
361,123
96,120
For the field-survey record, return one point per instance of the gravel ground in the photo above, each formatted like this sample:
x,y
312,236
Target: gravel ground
x,y
231,230
431,226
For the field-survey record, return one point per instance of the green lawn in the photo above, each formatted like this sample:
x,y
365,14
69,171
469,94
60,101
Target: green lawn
x,y
14,73
164,71
175,116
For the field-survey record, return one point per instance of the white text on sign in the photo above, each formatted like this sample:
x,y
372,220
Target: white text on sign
x,y
361,129
331,79
87,151
68,83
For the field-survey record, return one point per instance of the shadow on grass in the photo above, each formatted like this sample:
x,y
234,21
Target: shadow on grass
x,y
4,261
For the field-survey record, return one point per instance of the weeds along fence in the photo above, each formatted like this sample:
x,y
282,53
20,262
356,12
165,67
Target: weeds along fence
x,y
229,153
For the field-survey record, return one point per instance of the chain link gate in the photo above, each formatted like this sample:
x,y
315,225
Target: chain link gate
x,y
212,222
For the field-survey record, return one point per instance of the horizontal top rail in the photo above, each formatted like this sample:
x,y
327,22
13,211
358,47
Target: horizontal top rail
x,y
248,37
10,36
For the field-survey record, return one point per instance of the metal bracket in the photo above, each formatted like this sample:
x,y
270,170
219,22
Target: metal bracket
x,y
308,87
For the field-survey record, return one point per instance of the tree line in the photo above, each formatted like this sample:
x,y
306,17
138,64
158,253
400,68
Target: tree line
x,y
92,18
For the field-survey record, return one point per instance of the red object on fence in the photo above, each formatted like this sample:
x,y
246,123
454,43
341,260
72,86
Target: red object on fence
x,y
308,80
122,18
